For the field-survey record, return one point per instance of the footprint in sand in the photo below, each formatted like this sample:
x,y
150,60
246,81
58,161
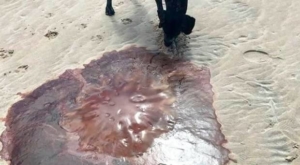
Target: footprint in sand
x,y
6,53
126,21
51,34
20,69
257,56
97,38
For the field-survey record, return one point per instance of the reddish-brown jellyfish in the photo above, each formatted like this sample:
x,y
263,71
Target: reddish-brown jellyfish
x,y
121,116
132,107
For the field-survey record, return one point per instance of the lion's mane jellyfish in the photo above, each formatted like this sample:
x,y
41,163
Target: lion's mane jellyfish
x,y
122,114
132,107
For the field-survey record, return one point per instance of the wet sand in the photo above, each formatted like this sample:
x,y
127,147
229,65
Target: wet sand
x,y
250,47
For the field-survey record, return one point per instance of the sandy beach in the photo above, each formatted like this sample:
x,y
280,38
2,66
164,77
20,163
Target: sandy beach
x,y
251,48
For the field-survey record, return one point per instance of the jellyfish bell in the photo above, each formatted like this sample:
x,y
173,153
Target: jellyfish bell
x,y
130,107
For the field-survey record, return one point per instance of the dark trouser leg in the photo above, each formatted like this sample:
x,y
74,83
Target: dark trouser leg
x,y
109,10
159,5
162,16
168,42
160,12
184,6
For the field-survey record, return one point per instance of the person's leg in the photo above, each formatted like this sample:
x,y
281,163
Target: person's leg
x,y
188,22
184,6
168,41
109,10
159,5
160,12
